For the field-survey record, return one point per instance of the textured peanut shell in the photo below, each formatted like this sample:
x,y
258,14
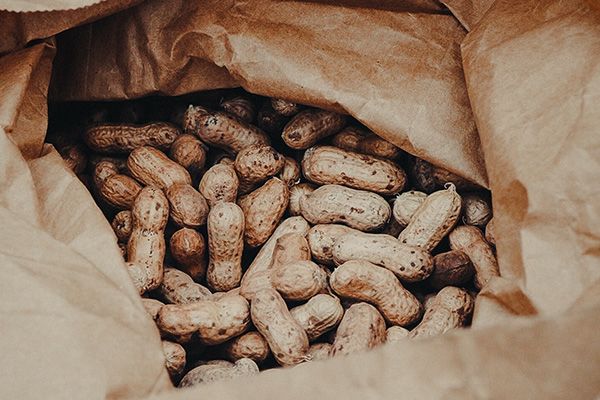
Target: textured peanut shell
x,y
291,173
174,357
287,340
364,281
250,345
331,165
490,234
187,207
441,177
408,263
476,210
122,225
451,308
297,192
152,307
269,120
452,268
358,209
208,373
215,322
75,158
285,108
153,168
240,107
361,328
406,205
188,152
188,248
422,173
178,287
470,240
318,315
222,130
102,171
225,229
255,164
138,276
120,191
219,183
319,351
123,138
258,274
146,245
356,139
396,334
263,209
310,126
433,219
321,239
298,280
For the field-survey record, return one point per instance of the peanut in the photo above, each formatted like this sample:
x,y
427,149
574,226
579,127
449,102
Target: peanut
x,y
477,211
122,225
433,220
153,168
75,157
395,334
406,205
204,374
174,358
250,345
361,328
123,138
119,191
451,308
297,192
240,107
410,264
152,307
299,280
319,351
356,139
222,130
188,152
310,126
102,171
285,108
225,243
361,280
291,173
321,239
219,183
320,314
188,248
255,164
490,230
188,209
270,121
263,209
453,268
178,287
331,165
470,240
422,172
358,209
441,177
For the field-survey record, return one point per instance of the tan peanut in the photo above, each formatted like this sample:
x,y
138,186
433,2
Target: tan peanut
x,y
287,340
319,351
361,280
219,183
310,126
188,248
152,307
470,240
451,308
258,274
174,357
120,163
441,177
477,210
123,138
299,280
153,168
240,107
102,171
291,173
208,373
122,225
285,108
356,139
406,205
250,345
225,229
490,232
270,121
75,157
178,287
361,328
263,209
326,165
297,192
321,239
222,130
255,164
318,315
188,208
358,209
188,152
215,321
146,246
433,220
138,276
396,334
452,268
120,191
408,263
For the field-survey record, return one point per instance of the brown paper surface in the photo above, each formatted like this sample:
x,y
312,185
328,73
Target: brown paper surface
x,y
468,12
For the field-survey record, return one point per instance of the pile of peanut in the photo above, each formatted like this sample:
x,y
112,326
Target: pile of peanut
x,y
283,234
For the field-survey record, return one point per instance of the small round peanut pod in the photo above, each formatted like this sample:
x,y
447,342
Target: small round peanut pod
x,y
361,280
263,209
188,208
174,358
299,280
356,139
120,191
242,108
358,209
470,240
490,232
270,121
285,108
451,308
153,168
219,183
310,126
75,158
361,328
396,334
422,173
123,138
102,171
205,374
152,307
319,351
406,205
178,287
188,248
476,209
188,152
452,268
287,340
291,172
255,164
122,225
297,192
250,345
321,239
318,315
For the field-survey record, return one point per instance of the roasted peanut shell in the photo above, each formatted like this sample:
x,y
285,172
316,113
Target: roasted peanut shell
x,y
361,328
395,334
178,287
356,139
310,126
123,138
120,191
297,192
255,164
174,357
406,205
291,172
476,210
299,280
470,240
209,373
122,225
219,183
153,168
188,248
285,108
187,207
188,152
318,315
242,108
321,239
152,307
452,268
319,351
250,345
